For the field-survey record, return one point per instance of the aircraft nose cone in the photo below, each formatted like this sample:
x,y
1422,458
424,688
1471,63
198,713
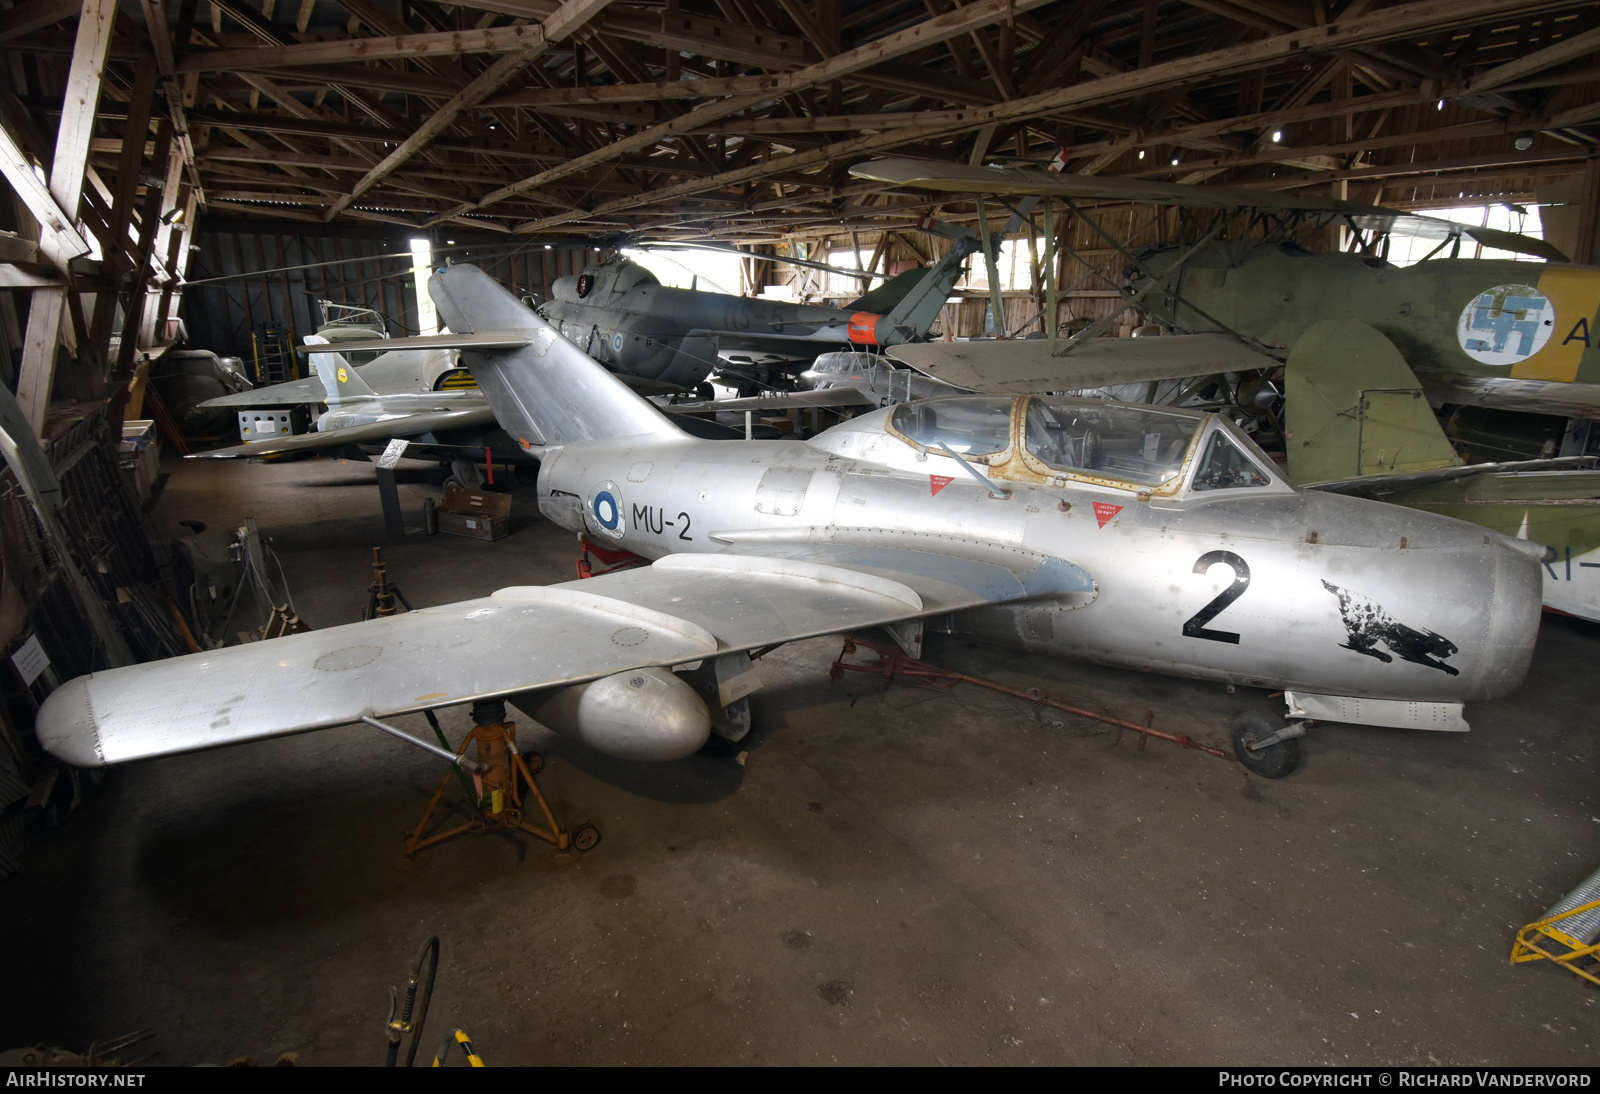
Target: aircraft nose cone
x,y
1512,620
65,725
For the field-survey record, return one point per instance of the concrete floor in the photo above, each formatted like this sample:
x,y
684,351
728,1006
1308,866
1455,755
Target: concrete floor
x,y
901,876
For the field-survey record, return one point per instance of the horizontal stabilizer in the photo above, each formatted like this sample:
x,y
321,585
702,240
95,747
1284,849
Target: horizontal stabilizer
x,y
408,425
1025,366
486,341
290,393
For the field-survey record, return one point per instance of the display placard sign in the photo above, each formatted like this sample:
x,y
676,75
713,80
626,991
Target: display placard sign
x,y
30,660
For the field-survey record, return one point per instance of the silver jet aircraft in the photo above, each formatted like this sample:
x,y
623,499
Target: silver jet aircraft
x,y
662,339
454,420
1148,538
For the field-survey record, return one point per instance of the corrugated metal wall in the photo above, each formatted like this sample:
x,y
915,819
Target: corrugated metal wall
x,y
371,269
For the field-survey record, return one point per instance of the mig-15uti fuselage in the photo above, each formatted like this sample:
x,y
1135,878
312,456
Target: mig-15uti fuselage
x,y
1144,537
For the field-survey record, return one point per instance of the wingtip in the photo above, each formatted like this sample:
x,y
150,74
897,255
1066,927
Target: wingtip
x,y
66,726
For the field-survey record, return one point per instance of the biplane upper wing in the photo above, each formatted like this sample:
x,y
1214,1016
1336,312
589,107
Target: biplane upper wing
x,y
1029,181
1022,366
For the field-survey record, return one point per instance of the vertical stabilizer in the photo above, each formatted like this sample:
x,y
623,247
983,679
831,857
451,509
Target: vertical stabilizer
x,y
338,376
917,310
1354,407
547,391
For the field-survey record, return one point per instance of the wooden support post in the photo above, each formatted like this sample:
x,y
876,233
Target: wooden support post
x,y
996,299
1051,289
135,301
1584,249
79,106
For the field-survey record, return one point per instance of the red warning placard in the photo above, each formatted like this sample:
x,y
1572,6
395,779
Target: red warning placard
x,y
1104,512
939,482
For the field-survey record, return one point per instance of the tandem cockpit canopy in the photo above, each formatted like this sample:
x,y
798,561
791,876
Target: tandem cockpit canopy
x,y
1044,437
1135,444
976,426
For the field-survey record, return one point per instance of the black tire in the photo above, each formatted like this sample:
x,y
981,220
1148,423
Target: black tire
x,y
534,761
1270,763
585,838
430,517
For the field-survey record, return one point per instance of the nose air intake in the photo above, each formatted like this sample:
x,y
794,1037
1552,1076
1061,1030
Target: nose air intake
x,y
1512,621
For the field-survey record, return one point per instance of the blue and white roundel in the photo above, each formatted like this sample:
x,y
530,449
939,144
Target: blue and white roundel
x,y
1506,324
616,342
606,511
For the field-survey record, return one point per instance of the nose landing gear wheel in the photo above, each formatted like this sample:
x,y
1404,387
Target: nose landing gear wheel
x,y
1272,762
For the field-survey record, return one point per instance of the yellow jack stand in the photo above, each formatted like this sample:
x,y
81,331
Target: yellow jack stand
x,y
495,797
1567,934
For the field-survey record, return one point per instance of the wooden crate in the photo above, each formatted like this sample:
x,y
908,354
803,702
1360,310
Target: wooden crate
x,y
475,514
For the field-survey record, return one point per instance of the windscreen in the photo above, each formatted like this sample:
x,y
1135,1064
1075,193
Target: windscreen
x,y
1109,440
974,426
1223,466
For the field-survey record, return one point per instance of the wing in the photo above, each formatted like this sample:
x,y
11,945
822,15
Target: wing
x,y
409,425
488,340
1030,181
1022,366
1566,400
684,608
309,390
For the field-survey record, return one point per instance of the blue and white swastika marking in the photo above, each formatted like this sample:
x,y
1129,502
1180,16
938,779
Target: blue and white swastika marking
x,y
1506,324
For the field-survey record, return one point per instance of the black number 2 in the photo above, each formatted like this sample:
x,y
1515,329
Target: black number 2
x,y
683,533
1196,627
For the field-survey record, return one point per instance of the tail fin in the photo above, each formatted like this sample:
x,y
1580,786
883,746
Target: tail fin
x,y
917,310
1355,408
544,390
338,376
890,293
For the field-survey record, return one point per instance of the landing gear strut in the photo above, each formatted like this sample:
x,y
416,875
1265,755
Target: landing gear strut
x,y
1266,745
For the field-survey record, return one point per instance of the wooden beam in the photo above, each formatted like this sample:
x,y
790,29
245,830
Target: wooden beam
x,y
1568,49
725,41
41,203
376,77
713,39
405,47
35,15
36,377
759,127
560,25
1402,20
940,28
